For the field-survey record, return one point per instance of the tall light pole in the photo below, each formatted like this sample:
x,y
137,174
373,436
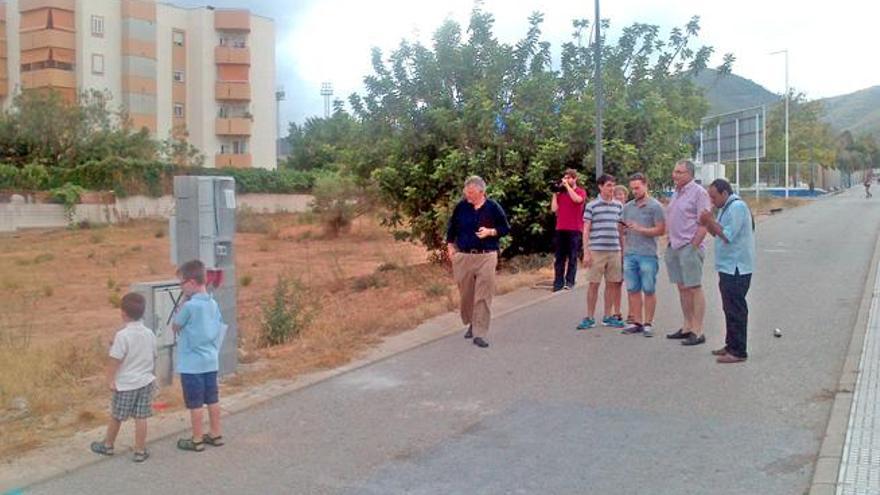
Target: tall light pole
x,y
786,116
326,92
599,95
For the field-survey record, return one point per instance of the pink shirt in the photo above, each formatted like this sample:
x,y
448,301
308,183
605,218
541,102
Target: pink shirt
x,y
570,215
684,211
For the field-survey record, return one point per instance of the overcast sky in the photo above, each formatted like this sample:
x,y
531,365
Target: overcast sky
x,y
832,47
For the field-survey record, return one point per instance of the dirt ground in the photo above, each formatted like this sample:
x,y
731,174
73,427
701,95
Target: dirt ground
x,y
60,290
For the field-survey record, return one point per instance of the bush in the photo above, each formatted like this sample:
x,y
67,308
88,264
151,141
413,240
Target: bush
x,y
284,317
68,195
338,201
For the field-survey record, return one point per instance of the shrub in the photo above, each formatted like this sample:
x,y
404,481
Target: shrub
x,y
284,317
436,289
371,281
338,201
245,280
68,195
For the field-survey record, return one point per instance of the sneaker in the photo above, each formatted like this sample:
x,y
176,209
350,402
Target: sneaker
x,y
632,329
647,330
614,321
586,323
567,287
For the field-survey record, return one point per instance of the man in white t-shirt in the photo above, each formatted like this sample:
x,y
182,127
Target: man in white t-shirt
x,y
130,377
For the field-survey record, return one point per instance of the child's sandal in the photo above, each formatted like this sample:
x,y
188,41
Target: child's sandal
x,y
141,456
101,448
213,441
190,445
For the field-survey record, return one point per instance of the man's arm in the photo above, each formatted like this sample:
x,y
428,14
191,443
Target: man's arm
x,y
554,203
572,193
588,259
712,226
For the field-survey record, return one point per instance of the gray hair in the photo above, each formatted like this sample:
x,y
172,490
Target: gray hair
x,y
689,165
475,180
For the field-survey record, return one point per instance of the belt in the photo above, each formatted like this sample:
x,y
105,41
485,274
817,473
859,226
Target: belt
x,y
478,251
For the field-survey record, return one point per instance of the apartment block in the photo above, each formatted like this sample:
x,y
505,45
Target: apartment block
x,y
202,73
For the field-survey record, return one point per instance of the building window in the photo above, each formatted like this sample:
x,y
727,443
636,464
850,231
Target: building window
x,y
98,26
97,63
239,147
178,111
178,76
177,38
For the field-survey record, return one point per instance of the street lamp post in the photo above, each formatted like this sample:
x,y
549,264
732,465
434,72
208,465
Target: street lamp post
x,y
599,95
786,116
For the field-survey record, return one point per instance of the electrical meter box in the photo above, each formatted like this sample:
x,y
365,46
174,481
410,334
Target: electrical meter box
x,y
162,299
203,227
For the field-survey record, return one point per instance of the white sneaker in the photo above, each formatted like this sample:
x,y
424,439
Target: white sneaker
x,y
648,330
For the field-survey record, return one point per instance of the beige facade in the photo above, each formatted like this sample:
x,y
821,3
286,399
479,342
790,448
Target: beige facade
x,y
201,73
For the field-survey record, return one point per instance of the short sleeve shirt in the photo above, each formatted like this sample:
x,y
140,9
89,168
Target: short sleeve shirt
x,y
683,213
135,347
604,217
570,215
648,213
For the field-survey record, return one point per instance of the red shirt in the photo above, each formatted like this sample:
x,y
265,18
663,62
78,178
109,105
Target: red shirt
x,y
570,215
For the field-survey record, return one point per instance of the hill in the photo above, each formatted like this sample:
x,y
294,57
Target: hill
x,y
732,92
858,112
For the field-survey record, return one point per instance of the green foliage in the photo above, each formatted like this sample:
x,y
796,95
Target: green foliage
x,y
338,201
469,104
68,195
285,316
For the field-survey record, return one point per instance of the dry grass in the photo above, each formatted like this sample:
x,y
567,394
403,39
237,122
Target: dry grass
x,y
57,315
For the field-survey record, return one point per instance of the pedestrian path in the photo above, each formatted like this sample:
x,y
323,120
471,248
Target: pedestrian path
x,y
860,465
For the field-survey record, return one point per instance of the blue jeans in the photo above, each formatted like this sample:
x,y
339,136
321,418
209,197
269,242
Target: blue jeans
x,y
640,273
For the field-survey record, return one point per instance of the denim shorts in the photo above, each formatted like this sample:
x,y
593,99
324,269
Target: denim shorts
x,y
199,389
640,273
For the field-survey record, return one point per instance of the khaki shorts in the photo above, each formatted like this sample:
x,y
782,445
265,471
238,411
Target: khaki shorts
x,y
685,266
606,264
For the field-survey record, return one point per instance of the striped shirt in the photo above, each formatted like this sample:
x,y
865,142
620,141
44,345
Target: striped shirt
x,y
603,217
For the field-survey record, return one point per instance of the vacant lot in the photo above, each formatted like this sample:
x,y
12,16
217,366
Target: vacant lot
x,y
60,290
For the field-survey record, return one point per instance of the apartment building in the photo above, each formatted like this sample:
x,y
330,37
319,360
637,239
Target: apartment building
x,y
204,73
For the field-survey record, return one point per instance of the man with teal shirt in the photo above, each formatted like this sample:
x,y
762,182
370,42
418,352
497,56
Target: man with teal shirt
x,y
734,232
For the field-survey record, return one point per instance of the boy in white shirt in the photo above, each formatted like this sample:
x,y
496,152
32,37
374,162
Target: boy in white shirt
x,y
130,377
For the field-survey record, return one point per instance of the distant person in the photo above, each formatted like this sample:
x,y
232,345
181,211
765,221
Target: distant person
x,y
685,252
645,222
869,177
130,376
568,205
621,195
200,331
472,243
734,261
602,232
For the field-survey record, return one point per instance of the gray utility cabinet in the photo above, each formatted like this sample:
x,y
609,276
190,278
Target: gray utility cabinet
x,y
203,227
162,299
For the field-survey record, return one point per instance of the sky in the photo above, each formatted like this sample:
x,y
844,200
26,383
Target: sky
x,y
830,47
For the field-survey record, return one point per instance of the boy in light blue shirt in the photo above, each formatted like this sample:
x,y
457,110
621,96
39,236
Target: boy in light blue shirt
x,y
200,331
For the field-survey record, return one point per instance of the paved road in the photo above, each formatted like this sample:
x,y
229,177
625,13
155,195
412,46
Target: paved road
x,y
548,410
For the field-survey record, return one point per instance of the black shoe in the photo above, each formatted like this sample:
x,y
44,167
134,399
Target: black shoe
x,y
470,332
557,289
479,342
694,340
678,335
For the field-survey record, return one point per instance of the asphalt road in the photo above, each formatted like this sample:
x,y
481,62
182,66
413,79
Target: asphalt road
x,y
550,410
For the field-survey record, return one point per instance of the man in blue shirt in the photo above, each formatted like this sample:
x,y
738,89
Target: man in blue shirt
x,y
472,245
734,234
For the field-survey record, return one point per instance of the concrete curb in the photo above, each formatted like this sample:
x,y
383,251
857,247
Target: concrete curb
x,y
55,461
827,468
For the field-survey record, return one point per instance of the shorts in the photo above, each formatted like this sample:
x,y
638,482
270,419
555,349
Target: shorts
x,y
605,264
199,389
137,403
685,266
640,273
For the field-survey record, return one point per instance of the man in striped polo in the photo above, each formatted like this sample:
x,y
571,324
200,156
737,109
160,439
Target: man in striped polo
x,y
602,233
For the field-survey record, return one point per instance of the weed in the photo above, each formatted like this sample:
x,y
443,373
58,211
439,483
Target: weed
x,y
96,238
263,246
245,280
273,232
137,249
111,284
23,261
528,262
247,221
160,233
436,289
91,255
388,266
48,291
371,281
114,299
284,317
44,257
11,284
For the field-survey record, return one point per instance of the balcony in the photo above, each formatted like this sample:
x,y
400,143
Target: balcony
x,y
233,126
232,20
27,5
55,78
49,38
232,91
139,9
232,55
229,160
